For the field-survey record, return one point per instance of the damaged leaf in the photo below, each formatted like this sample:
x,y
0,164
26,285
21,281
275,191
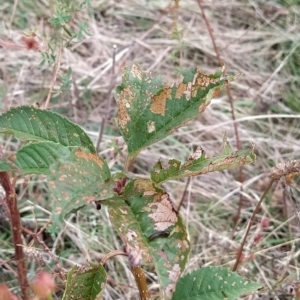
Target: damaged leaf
x,y
129,230
152,231
77,179
198,164
149,111
85,283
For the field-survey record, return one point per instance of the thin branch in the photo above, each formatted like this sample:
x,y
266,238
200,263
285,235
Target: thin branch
x,y
235,126
54,77
183,195
112,254
250,224
17,233
36,237
136,270
8,267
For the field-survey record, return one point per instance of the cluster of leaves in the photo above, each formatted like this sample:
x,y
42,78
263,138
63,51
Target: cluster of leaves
x,y
65,27
142,213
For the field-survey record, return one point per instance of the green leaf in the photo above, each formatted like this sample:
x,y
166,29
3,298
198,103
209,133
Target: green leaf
x,y
66,80
59,20
32,124
4,166
152,231
37,158
77,179
213,283
149,111
85,283
198,164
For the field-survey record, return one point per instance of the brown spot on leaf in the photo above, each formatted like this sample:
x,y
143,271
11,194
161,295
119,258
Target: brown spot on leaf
x,y
89,199
89,157
144,185
174,275
63,177
150,126
58,210
158,105
124,102
203,106
202,81
197,154
216,93
164,215
181,89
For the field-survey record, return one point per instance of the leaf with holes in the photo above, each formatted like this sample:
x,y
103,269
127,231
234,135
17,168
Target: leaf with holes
x,y
32,124
198,164
152,231
149,111
85,283
77,179
213,283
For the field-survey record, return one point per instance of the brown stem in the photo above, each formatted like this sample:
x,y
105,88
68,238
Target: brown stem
x,y
240,250
112,254
235,126
137,272
141,283
221,64
16,231
183,195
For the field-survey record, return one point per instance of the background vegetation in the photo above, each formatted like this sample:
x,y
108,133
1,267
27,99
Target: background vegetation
x,y
258,40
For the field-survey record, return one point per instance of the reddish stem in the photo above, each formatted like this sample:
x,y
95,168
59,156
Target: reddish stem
x,y
15,218
235,126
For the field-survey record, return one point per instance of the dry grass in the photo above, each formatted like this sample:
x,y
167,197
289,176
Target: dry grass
x,y
256,39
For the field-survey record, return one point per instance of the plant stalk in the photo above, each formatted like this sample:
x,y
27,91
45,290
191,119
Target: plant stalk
x,y
140,280
250,224
15,218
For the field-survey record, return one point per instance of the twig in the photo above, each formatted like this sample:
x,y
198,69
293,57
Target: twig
x,y
16,231
36,237
240,250
112,254
183,195
235,126
8,267
136,270
55,73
